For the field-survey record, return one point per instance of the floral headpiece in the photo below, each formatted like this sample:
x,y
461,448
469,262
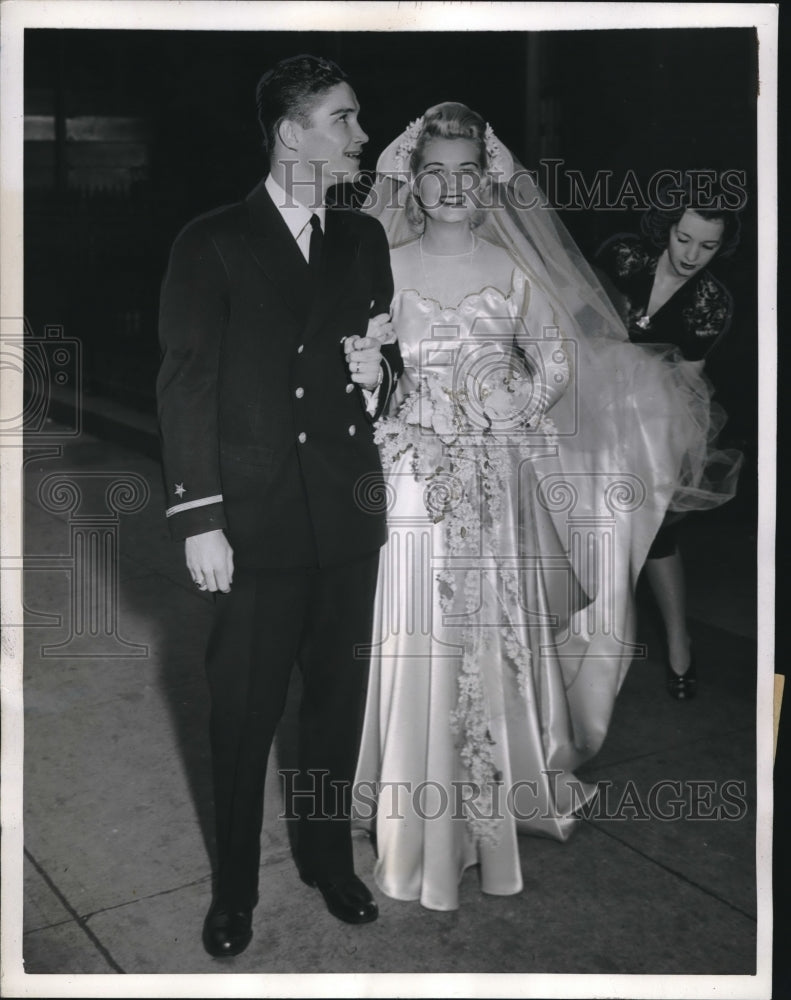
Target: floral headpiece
x,y
408,142
498,161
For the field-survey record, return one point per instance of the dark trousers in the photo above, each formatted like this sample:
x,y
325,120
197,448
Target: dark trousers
x,y
270,620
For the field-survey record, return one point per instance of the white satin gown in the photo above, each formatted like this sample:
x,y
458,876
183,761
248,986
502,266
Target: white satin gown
x,y
504,621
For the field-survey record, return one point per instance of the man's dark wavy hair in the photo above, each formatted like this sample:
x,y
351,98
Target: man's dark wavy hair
x,y
290,90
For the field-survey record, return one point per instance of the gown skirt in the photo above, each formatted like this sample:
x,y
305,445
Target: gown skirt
x,y
504,622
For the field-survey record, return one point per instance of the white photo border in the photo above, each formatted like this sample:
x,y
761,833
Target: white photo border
x,y
229,15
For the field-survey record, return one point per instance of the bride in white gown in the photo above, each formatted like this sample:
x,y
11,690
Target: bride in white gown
x,y
526,478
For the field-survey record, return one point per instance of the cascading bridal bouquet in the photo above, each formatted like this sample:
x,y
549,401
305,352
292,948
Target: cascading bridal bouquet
x,y
466,430
484,408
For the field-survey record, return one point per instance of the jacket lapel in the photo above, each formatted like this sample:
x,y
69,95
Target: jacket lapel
x,y
277,253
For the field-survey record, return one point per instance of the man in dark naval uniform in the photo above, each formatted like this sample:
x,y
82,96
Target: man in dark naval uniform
x,y
278,357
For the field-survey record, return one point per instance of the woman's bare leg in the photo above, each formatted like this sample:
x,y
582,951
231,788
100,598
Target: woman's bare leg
x,y
666,578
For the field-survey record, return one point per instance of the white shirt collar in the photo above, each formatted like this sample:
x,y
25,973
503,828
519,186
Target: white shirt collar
x,y
295,216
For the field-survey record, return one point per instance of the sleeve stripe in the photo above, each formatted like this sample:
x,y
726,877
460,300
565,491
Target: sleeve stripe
x,y
193,503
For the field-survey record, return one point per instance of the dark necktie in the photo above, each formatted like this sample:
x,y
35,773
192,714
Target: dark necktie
x,y
316,239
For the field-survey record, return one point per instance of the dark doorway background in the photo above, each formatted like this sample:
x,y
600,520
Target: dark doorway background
x,y
129,134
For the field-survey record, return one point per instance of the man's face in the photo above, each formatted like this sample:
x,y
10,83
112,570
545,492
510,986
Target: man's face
x,y
334,140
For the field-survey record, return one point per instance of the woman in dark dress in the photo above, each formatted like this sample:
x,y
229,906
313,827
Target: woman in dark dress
x,y
661,284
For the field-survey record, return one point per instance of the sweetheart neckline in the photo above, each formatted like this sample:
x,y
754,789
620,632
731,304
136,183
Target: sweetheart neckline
x,y
518,280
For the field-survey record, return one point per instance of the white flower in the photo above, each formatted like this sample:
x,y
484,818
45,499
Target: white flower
x,y
408,142
499,403
445,426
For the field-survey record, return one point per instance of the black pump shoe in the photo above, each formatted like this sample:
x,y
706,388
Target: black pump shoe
x,y
684,686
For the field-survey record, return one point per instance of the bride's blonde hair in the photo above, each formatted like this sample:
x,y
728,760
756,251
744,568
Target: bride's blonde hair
x,y
449,120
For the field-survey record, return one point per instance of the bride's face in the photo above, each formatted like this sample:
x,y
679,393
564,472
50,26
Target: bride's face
x,y
449,179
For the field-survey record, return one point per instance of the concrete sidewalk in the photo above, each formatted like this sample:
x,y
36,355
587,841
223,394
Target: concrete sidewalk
x,y
117,805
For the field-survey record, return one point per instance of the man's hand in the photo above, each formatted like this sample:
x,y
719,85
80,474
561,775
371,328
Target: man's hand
x,y
364,355
210,560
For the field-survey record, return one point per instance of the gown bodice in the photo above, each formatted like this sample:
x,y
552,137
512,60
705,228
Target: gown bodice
x,y
417,316
484,349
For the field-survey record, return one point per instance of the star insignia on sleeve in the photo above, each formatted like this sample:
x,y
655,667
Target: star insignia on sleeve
x,y
180,491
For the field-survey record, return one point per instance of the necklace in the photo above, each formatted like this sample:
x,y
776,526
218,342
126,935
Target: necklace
x,y
467,253
446,280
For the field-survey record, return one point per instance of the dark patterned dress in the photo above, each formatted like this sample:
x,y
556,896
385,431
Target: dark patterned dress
x,y
694,319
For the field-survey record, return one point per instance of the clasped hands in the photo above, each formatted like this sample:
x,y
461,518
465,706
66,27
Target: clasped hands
x,y
209,555
364,354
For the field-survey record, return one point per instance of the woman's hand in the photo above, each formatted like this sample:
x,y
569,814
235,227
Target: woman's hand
x,y
381,328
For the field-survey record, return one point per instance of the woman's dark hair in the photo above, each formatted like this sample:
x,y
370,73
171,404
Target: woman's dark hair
x,y
449,120
674,199
290,89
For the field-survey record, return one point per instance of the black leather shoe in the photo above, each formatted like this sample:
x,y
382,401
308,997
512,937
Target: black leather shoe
x,y
348,899
682,687
227,931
